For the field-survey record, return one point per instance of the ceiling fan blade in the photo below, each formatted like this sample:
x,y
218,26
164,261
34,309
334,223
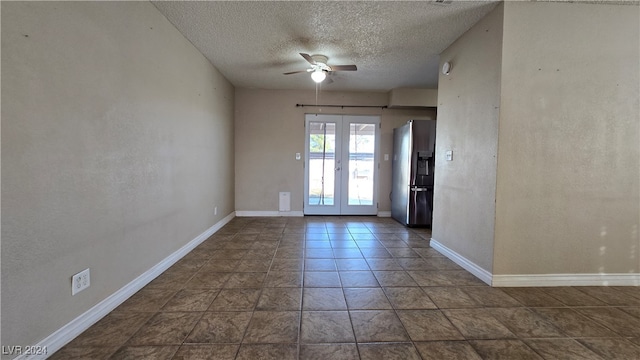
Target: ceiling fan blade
x,y
328,80
295,72
308,58
343,68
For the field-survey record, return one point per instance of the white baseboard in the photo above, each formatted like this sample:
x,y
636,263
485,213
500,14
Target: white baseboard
x,y
465,263
531,280
268,213
566,280
384,213
75,327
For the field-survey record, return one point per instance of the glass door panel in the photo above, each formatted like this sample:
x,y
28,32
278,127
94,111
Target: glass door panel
x,y
361,163
360,142
322,165
322,162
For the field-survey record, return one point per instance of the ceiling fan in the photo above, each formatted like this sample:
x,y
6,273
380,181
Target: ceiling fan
x,y
319,68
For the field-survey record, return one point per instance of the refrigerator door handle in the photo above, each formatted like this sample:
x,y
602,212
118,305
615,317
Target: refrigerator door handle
x,y
415,188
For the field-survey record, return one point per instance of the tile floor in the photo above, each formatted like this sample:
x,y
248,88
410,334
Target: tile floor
x,y
351,288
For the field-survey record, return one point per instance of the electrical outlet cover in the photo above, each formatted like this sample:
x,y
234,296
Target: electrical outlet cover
x,y
80,281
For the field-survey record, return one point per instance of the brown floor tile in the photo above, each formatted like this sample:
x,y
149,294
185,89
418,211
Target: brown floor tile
x,y
321,279
328,352
208,352
352,264
377,325
394,278
220,265
525,323
145,353
326,327
384,264
166,328
433,278
207,280
409,298
85,352
415,264
635,311
428,325
147,299
610,295
613,348
450,350
568,349
284,279
320,265
533,297
267,352
572,296
379,253
287,265
256,265
490,297
504,350
235,300
442,263
405,351
572,323
323,299
245,280
220,327
629,290
428,252
191,300
450,297
402,252
358,279
478,324
366,299
318,244
347,254
318,253
112,330
273,327
343,244
615,319
280,299
187,265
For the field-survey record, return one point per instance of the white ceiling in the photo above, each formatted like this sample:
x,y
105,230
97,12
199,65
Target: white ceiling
x,y
393,43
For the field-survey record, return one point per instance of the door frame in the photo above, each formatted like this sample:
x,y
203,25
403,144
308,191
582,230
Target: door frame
x,y
341,169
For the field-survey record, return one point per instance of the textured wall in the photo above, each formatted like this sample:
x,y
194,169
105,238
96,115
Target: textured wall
x,y
117,143
468,112
269,130
569,159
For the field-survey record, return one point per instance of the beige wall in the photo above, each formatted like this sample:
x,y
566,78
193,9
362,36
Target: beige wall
x,y
468,112
117,143
269,130
568,162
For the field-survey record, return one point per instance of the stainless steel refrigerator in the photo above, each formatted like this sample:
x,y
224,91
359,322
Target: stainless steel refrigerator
x,y
414,146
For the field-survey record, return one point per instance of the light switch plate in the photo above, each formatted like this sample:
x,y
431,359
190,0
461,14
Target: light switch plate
x,y
449,155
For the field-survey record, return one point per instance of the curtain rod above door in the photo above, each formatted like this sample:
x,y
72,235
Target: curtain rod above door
x,y
345,106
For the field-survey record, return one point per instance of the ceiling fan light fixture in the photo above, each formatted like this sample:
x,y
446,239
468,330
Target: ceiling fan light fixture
x,y
318,75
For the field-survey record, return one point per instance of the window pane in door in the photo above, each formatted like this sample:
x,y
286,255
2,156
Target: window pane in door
x,y
361,162
322,162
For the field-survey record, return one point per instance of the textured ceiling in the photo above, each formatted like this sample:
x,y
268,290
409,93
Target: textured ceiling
x,y
393,43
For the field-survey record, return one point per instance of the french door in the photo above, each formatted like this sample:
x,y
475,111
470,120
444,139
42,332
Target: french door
x,y
341,164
